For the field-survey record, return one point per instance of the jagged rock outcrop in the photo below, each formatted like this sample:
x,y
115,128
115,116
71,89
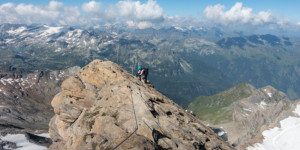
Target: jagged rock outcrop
x,y
264,109
95,111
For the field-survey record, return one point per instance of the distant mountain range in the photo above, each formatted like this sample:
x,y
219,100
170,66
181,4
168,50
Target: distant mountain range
x,y
183,63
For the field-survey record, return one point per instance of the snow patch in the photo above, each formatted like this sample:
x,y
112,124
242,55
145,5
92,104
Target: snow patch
x,y
79,32
61,74
46,135
269,94
2,81
185,66
92,41
52,30
297,110
262,104
58,50
245,114
70,34
245,109
221,133
17,31
21,142
8,80
284,138
108,42
9,40
114,33
179,28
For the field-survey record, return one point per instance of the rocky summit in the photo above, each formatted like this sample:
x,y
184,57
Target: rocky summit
x,y
105,107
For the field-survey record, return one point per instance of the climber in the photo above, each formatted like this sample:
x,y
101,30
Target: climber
x,y
142,71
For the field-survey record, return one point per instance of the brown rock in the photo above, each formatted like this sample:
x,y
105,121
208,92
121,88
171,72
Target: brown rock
x,y
95,111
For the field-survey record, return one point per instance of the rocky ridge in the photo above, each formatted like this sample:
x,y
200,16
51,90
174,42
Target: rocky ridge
x,y
265,108
95,111
247,113
25,97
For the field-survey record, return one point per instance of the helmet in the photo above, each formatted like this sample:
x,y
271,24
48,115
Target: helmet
x,y
140,67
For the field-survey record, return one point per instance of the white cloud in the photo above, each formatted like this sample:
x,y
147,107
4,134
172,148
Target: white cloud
x,y
37,12
130,23
263,18
135,10
143,15
7,13
53,13
54,5
237,14
91,6
135,14
71,16
144,24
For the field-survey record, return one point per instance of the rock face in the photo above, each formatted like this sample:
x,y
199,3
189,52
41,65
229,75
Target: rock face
x,y
243,112
25,97
265,108
103,105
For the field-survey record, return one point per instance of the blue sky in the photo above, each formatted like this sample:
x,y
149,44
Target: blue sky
x,y
266,14
287,9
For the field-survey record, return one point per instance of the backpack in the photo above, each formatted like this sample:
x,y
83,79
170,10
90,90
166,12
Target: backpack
x,y
146,70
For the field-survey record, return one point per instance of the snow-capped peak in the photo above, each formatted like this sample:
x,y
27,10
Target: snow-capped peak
x,y
179,28
17,31
52,30
268,92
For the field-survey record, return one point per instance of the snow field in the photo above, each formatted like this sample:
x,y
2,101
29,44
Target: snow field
x,y
21,142
284,138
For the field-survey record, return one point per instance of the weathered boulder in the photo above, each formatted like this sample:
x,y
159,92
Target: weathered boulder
x,y
103,104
